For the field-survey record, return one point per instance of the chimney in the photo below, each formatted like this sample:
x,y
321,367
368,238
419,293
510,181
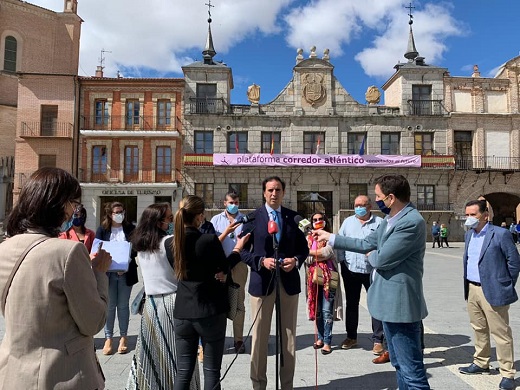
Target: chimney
x,y
99,71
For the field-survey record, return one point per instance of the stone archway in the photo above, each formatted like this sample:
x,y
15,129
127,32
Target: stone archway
x,y
505,207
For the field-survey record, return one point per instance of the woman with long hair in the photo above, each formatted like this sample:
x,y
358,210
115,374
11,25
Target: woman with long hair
x,y
156,339
320,298
115,227
57,297
201,267
77,231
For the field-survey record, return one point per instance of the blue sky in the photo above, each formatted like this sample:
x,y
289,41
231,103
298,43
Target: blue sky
x,y
259,39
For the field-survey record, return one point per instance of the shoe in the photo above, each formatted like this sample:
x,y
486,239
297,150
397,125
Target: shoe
x,y
200,354
107,348
317,345
348,343
473,369
378,349
382,359
240,347
123,348
507,384
325,350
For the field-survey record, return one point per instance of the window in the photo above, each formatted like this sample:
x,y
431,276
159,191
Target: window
x,y
101,112
463,149
163,164
46,160
205,191
10,51
421,100
390,143
49,117
203,142
99,160
164,108
132,112
423,144
237,142
425,196
356,143
131,163
241,190
313,143
271,142
206,98
354,190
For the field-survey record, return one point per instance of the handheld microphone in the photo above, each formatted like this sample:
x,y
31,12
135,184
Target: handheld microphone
x,y
245,218
303,224
272,227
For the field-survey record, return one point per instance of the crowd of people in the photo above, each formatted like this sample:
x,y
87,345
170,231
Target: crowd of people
x,y
187,264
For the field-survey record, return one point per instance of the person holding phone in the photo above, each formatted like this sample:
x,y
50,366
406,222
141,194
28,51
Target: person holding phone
x,y
114,227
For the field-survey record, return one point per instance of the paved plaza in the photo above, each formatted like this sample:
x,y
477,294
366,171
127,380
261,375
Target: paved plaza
x,y
448,342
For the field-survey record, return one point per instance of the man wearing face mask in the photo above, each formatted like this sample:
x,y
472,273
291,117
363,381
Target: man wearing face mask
x,y
491,267
228,230
396,294
355,272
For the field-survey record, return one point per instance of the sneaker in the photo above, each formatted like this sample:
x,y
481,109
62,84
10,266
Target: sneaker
x,y
378,349
507,384
473,369
348,343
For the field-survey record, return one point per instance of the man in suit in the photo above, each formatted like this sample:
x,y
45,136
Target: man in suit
x,y
491,267
262,260
396,294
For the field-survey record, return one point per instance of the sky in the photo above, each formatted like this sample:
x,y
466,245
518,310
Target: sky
x,y
259,39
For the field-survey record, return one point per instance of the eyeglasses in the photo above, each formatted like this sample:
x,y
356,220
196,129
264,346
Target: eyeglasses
x,y
317,219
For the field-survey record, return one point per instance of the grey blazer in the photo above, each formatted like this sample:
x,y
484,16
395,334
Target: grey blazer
x,y
498,266
396,293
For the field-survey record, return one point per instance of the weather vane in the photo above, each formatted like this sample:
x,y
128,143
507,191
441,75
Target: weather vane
x,y
410,7
209,9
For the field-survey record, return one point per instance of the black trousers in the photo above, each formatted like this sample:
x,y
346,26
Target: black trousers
x,y
353,282
212,331
436,239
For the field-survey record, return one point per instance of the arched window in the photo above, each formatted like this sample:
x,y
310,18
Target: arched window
x,y
11,46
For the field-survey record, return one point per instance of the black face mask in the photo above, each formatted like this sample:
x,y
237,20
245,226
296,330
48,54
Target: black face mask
x,y
78,221
383,207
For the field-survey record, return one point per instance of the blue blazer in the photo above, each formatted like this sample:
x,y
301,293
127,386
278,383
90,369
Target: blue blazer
x,y
260,245
498,266
396,293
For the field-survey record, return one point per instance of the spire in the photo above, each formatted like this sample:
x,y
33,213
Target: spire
x,y
209,51
411,52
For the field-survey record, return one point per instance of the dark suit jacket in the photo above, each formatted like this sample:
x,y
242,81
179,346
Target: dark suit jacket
x,y
292,244
200,295
498,266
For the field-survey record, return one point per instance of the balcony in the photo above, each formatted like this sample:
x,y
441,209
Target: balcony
x,y
487,163
139,123
206,106
43,129
426,108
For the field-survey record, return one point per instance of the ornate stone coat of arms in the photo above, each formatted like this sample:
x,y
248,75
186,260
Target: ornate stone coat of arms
x,y
313,88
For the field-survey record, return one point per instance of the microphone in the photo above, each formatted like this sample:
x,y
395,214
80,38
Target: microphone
x,y
303,224
272,227
245,218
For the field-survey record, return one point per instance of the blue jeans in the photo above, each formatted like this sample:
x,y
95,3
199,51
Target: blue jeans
x,y
212,331
404,346
118,297
324,317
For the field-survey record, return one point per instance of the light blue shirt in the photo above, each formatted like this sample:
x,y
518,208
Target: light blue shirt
x,y
392,220
278,215
474,249
355,228
220,223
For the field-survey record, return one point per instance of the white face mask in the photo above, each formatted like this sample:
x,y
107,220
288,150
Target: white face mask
x,y
118,218
471,222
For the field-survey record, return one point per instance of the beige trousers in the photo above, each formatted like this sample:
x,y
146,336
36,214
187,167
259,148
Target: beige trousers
x,y
239,275
486,319
261,330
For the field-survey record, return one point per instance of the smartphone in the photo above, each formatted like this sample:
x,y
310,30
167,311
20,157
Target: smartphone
x,y
99,246
248,229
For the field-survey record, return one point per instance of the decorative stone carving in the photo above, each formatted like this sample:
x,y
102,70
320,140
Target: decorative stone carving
x,y
313,52
253,93
313,88
326,55
373,96
299,57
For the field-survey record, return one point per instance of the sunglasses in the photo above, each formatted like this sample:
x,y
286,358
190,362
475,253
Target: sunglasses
x,y
317,219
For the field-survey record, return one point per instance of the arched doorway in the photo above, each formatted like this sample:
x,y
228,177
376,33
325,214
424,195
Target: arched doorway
x,y
506,207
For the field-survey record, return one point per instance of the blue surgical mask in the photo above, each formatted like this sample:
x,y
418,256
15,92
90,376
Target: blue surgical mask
x,y
66,225
169,231
360,211
471,222
382,206
232,209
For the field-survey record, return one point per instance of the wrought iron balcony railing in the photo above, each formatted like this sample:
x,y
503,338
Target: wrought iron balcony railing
x,y
43,129
487,163
125,122
426,107
207,106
